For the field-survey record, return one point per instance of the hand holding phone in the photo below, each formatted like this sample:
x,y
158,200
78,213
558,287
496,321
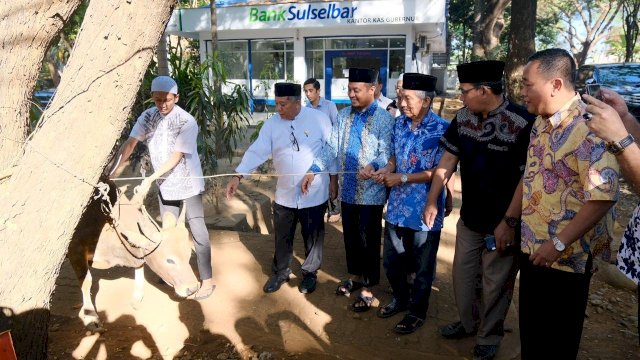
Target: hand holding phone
x,y
490,242
594,90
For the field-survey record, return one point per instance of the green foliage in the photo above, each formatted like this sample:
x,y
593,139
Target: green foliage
x,y
460,26
618,45
219,106
547,27
192,3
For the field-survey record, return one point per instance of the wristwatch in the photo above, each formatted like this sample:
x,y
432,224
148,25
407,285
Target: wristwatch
x,y
616,147
511,221
559,245
404,178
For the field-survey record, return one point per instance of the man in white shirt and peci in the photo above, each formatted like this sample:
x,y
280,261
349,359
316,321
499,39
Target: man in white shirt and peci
x,y
292,138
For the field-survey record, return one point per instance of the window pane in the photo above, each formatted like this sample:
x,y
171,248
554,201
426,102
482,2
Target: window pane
x,y
314,44
315,64
288,45
289,65
234,56
397,43
360,43
267,65
396,63
232,46
267,45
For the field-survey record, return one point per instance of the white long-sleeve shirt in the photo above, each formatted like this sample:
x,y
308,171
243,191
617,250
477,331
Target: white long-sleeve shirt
x,y
311,129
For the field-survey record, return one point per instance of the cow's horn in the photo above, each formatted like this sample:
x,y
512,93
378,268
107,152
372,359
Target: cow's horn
x,y
136,239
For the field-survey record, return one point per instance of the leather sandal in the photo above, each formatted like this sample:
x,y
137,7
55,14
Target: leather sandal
x,y
391,309
408,324
348,286
362,304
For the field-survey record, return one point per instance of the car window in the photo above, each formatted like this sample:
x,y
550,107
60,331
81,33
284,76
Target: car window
x,y
618,75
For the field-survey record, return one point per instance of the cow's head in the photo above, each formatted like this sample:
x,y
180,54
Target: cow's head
x,y
168,250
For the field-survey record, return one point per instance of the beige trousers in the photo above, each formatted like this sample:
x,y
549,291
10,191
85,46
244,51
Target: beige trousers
x,y
483,284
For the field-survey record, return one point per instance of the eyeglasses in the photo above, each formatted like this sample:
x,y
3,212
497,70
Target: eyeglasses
x,y
465,92
293,139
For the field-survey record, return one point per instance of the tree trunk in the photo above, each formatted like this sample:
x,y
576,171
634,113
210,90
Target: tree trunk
x,y
162,55
52,183
28,26
631,27
522,44
488,23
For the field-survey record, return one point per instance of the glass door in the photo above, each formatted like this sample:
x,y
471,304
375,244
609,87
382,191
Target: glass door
x,y
337,64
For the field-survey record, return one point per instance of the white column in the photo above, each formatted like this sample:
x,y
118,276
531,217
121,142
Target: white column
x,y
409,64
299,65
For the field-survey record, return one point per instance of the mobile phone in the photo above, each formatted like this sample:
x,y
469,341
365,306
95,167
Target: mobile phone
x,y
490,242
594,90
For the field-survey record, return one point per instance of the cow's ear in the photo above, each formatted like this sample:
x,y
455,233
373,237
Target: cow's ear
x,y
136,239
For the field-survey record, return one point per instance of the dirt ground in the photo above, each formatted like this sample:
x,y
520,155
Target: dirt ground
x,y
241,322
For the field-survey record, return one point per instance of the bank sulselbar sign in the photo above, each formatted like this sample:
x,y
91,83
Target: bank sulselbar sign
x,y
313,14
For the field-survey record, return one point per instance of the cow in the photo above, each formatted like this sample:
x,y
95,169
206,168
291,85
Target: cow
x,y
117,231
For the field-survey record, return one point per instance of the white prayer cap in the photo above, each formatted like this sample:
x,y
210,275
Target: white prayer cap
x,y
164,84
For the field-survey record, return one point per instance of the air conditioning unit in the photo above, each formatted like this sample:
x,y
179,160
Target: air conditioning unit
x,y
423,43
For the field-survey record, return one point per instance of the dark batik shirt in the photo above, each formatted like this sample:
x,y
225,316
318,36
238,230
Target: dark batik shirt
x,y
492,154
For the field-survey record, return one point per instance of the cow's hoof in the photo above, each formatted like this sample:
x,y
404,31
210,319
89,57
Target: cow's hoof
x,y
95,327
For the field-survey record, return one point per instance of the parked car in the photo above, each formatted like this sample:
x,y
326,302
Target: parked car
x,y
43,97
622,78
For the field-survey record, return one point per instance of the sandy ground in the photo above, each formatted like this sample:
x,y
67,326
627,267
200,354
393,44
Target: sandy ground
x,y
240,321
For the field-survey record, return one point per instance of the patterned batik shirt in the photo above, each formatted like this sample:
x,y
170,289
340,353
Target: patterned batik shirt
x,y
416,150
164,135
629,253
358,139
492,152
567,165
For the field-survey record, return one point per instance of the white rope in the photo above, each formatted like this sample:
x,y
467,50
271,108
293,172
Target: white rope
x,y
243,174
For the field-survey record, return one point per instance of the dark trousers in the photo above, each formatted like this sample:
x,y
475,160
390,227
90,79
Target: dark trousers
x,y
407,251
552,308
362,229
333,207
312,228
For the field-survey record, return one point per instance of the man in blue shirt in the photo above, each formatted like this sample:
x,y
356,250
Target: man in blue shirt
x,y
311,88
410,245
360,142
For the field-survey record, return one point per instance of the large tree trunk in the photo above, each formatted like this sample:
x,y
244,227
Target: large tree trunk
x,y
631,27
488,23
522,44
44,199
28,26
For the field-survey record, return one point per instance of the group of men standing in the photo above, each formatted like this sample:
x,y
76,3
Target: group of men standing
x,y
538,191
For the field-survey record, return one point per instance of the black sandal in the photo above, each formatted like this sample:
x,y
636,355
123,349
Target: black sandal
x,y
408,324
362,304
348,286
391,309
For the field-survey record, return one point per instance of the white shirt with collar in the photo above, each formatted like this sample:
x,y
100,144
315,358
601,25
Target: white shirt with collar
x,y
311,129
383,101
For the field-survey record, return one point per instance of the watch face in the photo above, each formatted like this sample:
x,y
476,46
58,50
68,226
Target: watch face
x,y
403,178
558,244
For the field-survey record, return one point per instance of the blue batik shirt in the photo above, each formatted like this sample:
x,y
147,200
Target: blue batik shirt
x,y
416,150
359,138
